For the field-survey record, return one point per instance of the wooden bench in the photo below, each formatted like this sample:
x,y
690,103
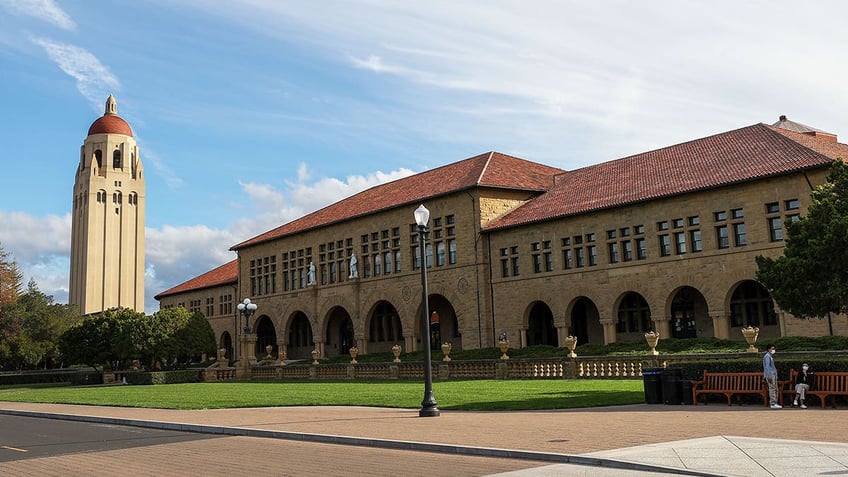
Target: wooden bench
x,y
825,383
730,384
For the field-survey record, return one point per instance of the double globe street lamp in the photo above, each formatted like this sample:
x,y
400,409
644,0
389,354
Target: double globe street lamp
x,y
428,404
246,309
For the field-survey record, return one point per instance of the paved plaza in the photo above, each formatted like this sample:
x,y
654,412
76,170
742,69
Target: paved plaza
x,y
642,439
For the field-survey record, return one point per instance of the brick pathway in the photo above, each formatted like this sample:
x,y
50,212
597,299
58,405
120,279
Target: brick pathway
x,y
566,431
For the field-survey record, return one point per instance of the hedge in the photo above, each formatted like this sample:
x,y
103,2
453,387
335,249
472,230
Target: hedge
x,y
77,378
164,377
694,370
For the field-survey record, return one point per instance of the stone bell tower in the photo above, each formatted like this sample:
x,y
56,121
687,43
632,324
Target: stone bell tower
x,y
107,232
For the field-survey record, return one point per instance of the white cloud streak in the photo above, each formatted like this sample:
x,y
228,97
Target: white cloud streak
x,y
45,10
94,80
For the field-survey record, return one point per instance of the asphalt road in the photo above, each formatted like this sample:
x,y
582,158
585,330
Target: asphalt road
x,y
30,437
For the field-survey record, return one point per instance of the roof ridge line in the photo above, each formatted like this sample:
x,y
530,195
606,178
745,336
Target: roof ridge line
x,y
485,166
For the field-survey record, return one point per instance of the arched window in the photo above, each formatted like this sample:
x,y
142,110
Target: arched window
x,y
116,160
98,154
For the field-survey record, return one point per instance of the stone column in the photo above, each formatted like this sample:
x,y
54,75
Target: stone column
x,y
609,331
562,333
721,325
247,342
663,326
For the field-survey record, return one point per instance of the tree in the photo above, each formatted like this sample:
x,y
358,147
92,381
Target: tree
x,y
810,279
42,324
11,278
195,338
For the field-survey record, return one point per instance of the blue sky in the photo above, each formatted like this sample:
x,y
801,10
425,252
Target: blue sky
x,y
251,113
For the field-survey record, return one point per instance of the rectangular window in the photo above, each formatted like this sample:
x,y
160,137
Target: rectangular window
x,y
695,238
515,271
680,243
665,245
387,263
610,234
549,261
452,251
677,223
567,259
719,216
537,263
592,250
662,225
772,208
504,267
694,220
722,238
739,234
792,204
639,229
579,257
641,249
440,254
613,252
775,226
627,251
737,214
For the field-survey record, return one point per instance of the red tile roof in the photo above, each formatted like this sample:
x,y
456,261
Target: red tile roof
x,y
742,155
491,169
224,275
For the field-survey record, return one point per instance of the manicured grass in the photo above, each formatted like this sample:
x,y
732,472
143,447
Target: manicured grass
x,y
476,395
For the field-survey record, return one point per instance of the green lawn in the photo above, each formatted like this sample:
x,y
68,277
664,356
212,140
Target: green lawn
x,y
476,395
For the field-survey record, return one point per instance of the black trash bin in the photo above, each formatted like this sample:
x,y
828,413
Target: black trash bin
x,y
652,381
686,391
671,378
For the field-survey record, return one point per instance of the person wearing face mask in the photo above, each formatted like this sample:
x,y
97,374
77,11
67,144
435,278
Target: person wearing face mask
x,y
803,381
770,375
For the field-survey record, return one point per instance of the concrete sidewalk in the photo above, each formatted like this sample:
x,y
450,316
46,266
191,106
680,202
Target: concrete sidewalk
x,y
626,440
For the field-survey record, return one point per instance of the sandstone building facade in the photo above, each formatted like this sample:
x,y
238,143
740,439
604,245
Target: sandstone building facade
x,y
663,240
107,231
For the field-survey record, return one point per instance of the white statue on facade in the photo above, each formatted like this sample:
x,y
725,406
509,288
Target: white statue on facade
x,y
310,276
354,273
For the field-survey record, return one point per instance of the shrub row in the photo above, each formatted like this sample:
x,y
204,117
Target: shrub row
x,y
164,377
695,369
76,378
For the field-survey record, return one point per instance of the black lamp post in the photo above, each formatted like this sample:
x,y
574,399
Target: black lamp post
x,y
246,308
428,405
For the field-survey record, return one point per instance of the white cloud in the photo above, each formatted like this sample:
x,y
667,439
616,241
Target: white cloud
x,y
94,80
45,10
570,83
174,254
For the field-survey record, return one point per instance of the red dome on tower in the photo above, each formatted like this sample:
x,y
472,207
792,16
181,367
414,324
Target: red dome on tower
x,y
110,122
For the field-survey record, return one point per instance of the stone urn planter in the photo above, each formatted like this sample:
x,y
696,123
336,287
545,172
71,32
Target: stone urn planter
x,y
353,352
751,334
396,349
504,346
268,349
315,356
571,343
652,338
446,349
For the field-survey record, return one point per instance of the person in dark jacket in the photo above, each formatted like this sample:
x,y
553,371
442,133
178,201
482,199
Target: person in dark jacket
x,y
803,383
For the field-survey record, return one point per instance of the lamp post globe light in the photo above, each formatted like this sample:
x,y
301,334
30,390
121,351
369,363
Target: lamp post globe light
x,y
428,404
246,309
